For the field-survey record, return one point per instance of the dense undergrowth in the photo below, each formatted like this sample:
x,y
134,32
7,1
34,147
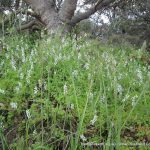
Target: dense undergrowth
x,y
59,94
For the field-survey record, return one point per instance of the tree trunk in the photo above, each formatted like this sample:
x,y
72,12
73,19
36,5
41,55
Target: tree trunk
x,y
53,19
65,19
46,10
67,10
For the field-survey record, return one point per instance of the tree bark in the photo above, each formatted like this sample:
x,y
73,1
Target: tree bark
x,y
46,10
67,11
30,25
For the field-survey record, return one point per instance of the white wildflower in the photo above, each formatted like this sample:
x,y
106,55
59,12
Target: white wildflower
x,y
126,63
91,96
134,100
45,85
139,75
2,91
40,83
105,56
86,66
32,53
102,99
119,76
13,105
114,62
125,98
23,55
35,132
75,73
94,119
13,63
63,40
89,76
60,56
1,125
119,89
35,90
21,76
79,55
72,106
85,35
31,61
83,138
65,89
28,113
28,76
17,89
56,60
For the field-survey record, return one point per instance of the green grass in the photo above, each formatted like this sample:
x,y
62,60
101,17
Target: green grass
x,y
59,94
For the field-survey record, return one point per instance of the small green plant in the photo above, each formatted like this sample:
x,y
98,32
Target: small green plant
x,y
64,94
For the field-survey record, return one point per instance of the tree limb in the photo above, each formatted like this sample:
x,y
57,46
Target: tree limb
x,y
32,14
98,6
28,25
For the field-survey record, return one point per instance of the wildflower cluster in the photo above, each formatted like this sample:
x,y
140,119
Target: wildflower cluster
x,y
60,88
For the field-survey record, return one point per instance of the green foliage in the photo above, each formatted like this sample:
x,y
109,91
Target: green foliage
x,y
6,3
131,18
60,93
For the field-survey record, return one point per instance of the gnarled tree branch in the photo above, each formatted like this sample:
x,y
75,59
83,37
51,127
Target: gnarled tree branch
x,y
28,25
99,5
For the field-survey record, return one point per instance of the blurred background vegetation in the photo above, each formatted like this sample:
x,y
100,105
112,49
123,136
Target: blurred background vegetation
x,y
124,21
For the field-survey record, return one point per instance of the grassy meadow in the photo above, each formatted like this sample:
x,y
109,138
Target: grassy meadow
x,y
72,94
